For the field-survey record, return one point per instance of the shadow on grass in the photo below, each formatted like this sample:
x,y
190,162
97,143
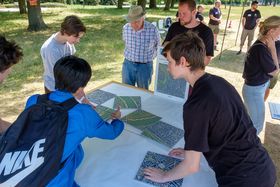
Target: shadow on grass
x,y
272,144
229,61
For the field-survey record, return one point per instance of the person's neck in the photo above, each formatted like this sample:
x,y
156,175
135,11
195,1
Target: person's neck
x,y
262,39
253,10
60,38
192,24
193,76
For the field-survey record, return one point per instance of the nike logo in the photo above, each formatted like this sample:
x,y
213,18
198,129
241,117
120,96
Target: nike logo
x,y
14,161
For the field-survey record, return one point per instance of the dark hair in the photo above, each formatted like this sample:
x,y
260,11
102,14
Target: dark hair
x,y
188,45
254,3
190,3
71,73
72,25
10,53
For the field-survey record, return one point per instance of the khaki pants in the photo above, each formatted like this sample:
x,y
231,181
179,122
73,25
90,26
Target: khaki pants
x,y
215,28
245,33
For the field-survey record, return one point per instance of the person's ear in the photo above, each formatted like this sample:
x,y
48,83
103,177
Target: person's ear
x,y
194,12
183,62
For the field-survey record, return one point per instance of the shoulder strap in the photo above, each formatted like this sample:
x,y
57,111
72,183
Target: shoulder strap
x,y
43,98
69,103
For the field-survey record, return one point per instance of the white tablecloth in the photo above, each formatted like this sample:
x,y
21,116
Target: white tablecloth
x,y
114,163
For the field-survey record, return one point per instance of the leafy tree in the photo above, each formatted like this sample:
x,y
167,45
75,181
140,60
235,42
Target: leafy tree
x,y
153,4
167,5
142,3
120,4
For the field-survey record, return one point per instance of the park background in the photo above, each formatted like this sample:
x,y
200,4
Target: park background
x,y
102,47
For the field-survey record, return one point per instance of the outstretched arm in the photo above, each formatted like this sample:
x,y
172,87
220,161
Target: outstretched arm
x,y
189,165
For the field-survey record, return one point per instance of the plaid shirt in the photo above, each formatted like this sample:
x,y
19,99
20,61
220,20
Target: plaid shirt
x,y
142,45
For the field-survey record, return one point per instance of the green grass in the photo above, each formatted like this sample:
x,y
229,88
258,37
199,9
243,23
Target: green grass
x,y
102,47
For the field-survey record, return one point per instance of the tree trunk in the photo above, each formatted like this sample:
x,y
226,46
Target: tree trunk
x,y
172,3
153,4
22,6
120,3
69,2
274,3
167,5
142,3
35,19
265,2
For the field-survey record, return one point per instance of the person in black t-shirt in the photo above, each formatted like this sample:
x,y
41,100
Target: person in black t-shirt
x,y
216,124
187,21
250,20
215,17
261,63
199,13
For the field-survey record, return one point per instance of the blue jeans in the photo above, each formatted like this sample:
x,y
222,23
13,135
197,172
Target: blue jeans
x,y
254,101
137,73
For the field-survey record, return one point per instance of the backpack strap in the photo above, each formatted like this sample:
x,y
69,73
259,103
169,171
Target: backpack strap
x,y
43,98
69,103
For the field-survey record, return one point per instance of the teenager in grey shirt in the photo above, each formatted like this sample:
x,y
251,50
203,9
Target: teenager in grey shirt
x,y
59,45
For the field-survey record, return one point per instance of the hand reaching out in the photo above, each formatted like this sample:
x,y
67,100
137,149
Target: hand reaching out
x,y
155,174
116,114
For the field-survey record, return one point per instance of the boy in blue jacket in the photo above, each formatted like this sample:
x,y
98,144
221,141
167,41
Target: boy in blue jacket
x,y
71,76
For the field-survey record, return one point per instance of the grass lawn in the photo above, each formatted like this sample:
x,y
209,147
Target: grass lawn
x,y
102,47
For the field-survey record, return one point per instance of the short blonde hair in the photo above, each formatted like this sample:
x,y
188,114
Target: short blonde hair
x,y
269,23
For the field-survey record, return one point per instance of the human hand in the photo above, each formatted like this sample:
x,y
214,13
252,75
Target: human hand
x,y
177,152
86,101
116,114
80,96
155,174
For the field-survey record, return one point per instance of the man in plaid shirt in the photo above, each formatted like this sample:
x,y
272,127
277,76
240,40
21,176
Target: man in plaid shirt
x,y
142,40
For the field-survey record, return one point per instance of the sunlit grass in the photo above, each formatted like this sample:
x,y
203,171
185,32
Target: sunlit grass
x,y
102,47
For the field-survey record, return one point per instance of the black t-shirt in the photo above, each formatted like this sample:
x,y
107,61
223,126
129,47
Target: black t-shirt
x,y
204,32
216,13
217,124
258,63
199,16
251,18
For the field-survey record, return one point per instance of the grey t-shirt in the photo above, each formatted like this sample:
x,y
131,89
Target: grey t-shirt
x,y
51,52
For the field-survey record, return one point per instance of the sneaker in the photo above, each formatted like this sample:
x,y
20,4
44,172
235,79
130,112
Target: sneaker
x,y
239,52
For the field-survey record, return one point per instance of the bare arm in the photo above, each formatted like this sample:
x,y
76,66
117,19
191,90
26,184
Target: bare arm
x,y
275,60
213,18
4,125
243,21
271,45
189,165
